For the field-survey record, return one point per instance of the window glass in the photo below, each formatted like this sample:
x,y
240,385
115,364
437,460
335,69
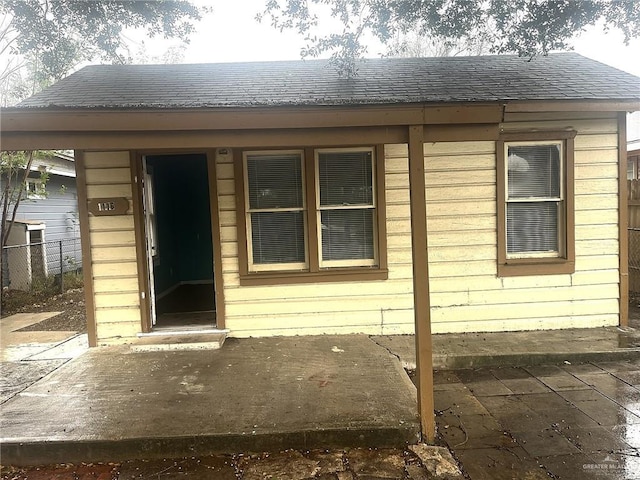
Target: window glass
x,y
532,227
347,234
275,181
534,171
345,178
278,237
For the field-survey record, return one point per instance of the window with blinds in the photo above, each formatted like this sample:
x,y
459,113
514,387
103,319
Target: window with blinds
x,y
346,206
275,210
311,215
534,199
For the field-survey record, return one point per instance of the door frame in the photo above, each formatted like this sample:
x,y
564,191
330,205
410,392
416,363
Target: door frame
x,y
144,279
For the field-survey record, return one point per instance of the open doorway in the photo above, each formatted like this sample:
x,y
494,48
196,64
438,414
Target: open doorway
x,y
179,242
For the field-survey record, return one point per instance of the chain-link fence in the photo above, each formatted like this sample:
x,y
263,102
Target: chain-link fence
x,y
634,260
43,268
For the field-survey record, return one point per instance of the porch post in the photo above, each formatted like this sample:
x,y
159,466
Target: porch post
x,y
424,361
85,243
623,220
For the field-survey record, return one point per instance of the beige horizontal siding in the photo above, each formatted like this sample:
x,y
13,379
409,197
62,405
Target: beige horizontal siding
x,y
354,307
113,253
112,285
115,237
466,294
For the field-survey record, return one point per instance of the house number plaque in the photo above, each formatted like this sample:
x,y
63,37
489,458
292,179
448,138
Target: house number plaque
x,y
108,206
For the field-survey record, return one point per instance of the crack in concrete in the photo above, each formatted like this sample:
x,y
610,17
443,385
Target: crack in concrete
x,y
387,349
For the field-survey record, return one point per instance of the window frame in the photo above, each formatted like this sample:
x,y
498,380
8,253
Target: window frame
x,y
39,190
532,264
325,264
292,266
313,271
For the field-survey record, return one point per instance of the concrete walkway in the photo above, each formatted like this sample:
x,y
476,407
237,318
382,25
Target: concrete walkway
x,y
252,395
26,357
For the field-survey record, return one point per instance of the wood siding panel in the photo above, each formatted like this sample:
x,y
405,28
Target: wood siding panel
x,y
108,176
466,294
340,307
115,269
114,238
117,299
105,191
117,284
113,253
95,160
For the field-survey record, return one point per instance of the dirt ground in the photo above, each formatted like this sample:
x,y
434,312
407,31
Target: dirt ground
x,y
71,304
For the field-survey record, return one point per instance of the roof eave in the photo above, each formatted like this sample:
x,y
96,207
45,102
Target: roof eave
x,y
243,118
561,105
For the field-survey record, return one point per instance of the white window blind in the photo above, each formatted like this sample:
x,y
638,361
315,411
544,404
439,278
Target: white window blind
x,y
346,206
275,201
534,199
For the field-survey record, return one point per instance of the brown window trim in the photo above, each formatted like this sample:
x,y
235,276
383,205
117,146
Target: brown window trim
x,y
314,273
511,267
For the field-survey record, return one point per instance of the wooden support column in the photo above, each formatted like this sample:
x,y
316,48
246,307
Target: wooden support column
x,y
623,218
421,304
85,242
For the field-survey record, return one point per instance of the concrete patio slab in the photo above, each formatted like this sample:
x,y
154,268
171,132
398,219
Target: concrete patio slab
x,y
70,347
472,350
253,395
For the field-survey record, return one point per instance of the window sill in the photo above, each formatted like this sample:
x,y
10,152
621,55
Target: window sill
x,y
538,266
333,275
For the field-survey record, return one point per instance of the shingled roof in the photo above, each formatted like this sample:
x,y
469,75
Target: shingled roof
x,y
561,76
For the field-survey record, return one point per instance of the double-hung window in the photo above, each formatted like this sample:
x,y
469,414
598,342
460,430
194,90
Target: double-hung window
x,y
311,215
346,207
535,203
276,210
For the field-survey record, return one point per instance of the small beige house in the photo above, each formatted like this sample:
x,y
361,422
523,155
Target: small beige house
x,y
468,194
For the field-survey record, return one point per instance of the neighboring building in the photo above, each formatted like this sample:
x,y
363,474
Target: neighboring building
x,y
54,204
275,197
46,221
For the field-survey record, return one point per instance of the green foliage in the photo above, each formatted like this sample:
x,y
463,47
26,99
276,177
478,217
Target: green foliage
x,y
525,27
73,279
13,172
63,33
12,161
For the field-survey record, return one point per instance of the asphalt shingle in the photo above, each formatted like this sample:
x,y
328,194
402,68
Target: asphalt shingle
x,y
560,76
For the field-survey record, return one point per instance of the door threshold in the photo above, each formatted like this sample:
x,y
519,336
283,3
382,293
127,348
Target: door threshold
x,y
205,339
190,331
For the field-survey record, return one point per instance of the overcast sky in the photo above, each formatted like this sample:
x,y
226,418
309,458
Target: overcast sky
x,y
231,34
